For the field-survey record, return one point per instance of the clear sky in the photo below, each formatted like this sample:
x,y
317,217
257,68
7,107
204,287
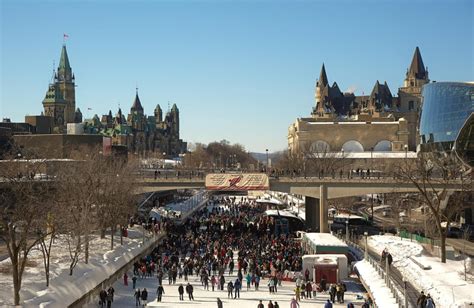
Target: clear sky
x,y
238,70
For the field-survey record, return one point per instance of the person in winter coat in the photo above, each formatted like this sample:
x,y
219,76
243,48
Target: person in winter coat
x,y
110,298
308,288
213,282
294,303
102,298
249,280
230,290
144,297
159,292
181,292
260,305
137,295
222,282
237,287
429,302
276,305
189,290
270,305
332,293
421,301
134,282
315,288
125,279
219,303
328,304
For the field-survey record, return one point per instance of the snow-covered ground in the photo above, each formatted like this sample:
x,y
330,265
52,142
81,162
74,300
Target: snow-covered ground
x,y
65,289
444,282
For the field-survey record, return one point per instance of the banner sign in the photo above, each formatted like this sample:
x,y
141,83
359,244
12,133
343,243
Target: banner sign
x,y
236,181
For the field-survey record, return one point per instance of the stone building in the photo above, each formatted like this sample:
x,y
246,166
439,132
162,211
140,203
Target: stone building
x,y
376,122
142,134
60,99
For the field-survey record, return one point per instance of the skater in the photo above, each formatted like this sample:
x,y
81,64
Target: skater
x,y
137,295
181,292
159,292
230,289
134,282
103,298
219,303
237,286
144,297
189,290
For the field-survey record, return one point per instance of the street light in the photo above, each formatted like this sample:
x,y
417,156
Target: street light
x,y
266,150
342,154
366,253
406,155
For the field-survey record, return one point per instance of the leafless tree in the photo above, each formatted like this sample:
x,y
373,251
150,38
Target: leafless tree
x,y
23,204
433,175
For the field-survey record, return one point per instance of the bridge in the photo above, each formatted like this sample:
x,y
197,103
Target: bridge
x,y
316,190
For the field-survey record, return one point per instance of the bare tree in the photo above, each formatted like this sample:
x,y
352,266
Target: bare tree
x,y
23,207
433,175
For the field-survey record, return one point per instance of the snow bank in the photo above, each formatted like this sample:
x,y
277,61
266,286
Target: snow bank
x,y
375,285
65,289
444,282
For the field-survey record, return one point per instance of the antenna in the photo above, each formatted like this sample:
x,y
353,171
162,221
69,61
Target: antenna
x,y
52,77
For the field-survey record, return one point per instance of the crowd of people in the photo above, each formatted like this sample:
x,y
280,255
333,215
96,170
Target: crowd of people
x,y
230,237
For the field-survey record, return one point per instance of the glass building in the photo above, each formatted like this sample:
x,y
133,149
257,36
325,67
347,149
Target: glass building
x,y
446,109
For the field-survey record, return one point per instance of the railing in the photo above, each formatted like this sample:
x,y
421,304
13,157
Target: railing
x,y
420,239
398,286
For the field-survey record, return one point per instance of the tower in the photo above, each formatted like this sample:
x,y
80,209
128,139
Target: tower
x,y
54,105
175,121
417,74
410,96
320,85
158,115
65,82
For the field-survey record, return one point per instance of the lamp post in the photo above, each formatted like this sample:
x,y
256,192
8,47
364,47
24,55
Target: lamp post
x,y
406,155
342,163
366,253
266,167
368,174
347,230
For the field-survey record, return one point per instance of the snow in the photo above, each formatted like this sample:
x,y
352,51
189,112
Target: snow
x,y
444,282
376,285
324,239
65,289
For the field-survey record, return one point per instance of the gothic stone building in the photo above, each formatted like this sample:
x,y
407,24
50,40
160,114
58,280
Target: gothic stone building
x,y
375,122
60,100
141,133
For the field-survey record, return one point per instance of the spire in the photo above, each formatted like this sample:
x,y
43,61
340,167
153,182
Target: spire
x,y
137,106
323,78
158,108
417,68
174,108
64,69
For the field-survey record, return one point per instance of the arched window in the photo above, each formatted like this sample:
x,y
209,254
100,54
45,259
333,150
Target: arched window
x,y
320,146
352,146
383,146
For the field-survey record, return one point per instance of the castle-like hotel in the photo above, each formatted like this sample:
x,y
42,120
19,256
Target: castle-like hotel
x,y
377,122
139,133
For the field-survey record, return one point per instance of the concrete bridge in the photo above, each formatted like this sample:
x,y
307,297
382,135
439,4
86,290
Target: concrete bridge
x,y
316,190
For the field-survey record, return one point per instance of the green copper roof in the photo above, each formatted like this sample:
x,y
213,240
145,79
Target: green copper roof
x,y
53,96
64,61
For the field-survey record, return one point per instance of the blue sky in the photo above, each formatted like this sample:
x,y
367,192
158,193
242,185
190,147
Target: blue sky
x,y
238,70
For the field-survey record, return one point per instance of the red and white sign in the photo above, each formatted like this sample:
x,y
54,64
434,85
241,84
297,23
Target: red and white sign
x,y
236,181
